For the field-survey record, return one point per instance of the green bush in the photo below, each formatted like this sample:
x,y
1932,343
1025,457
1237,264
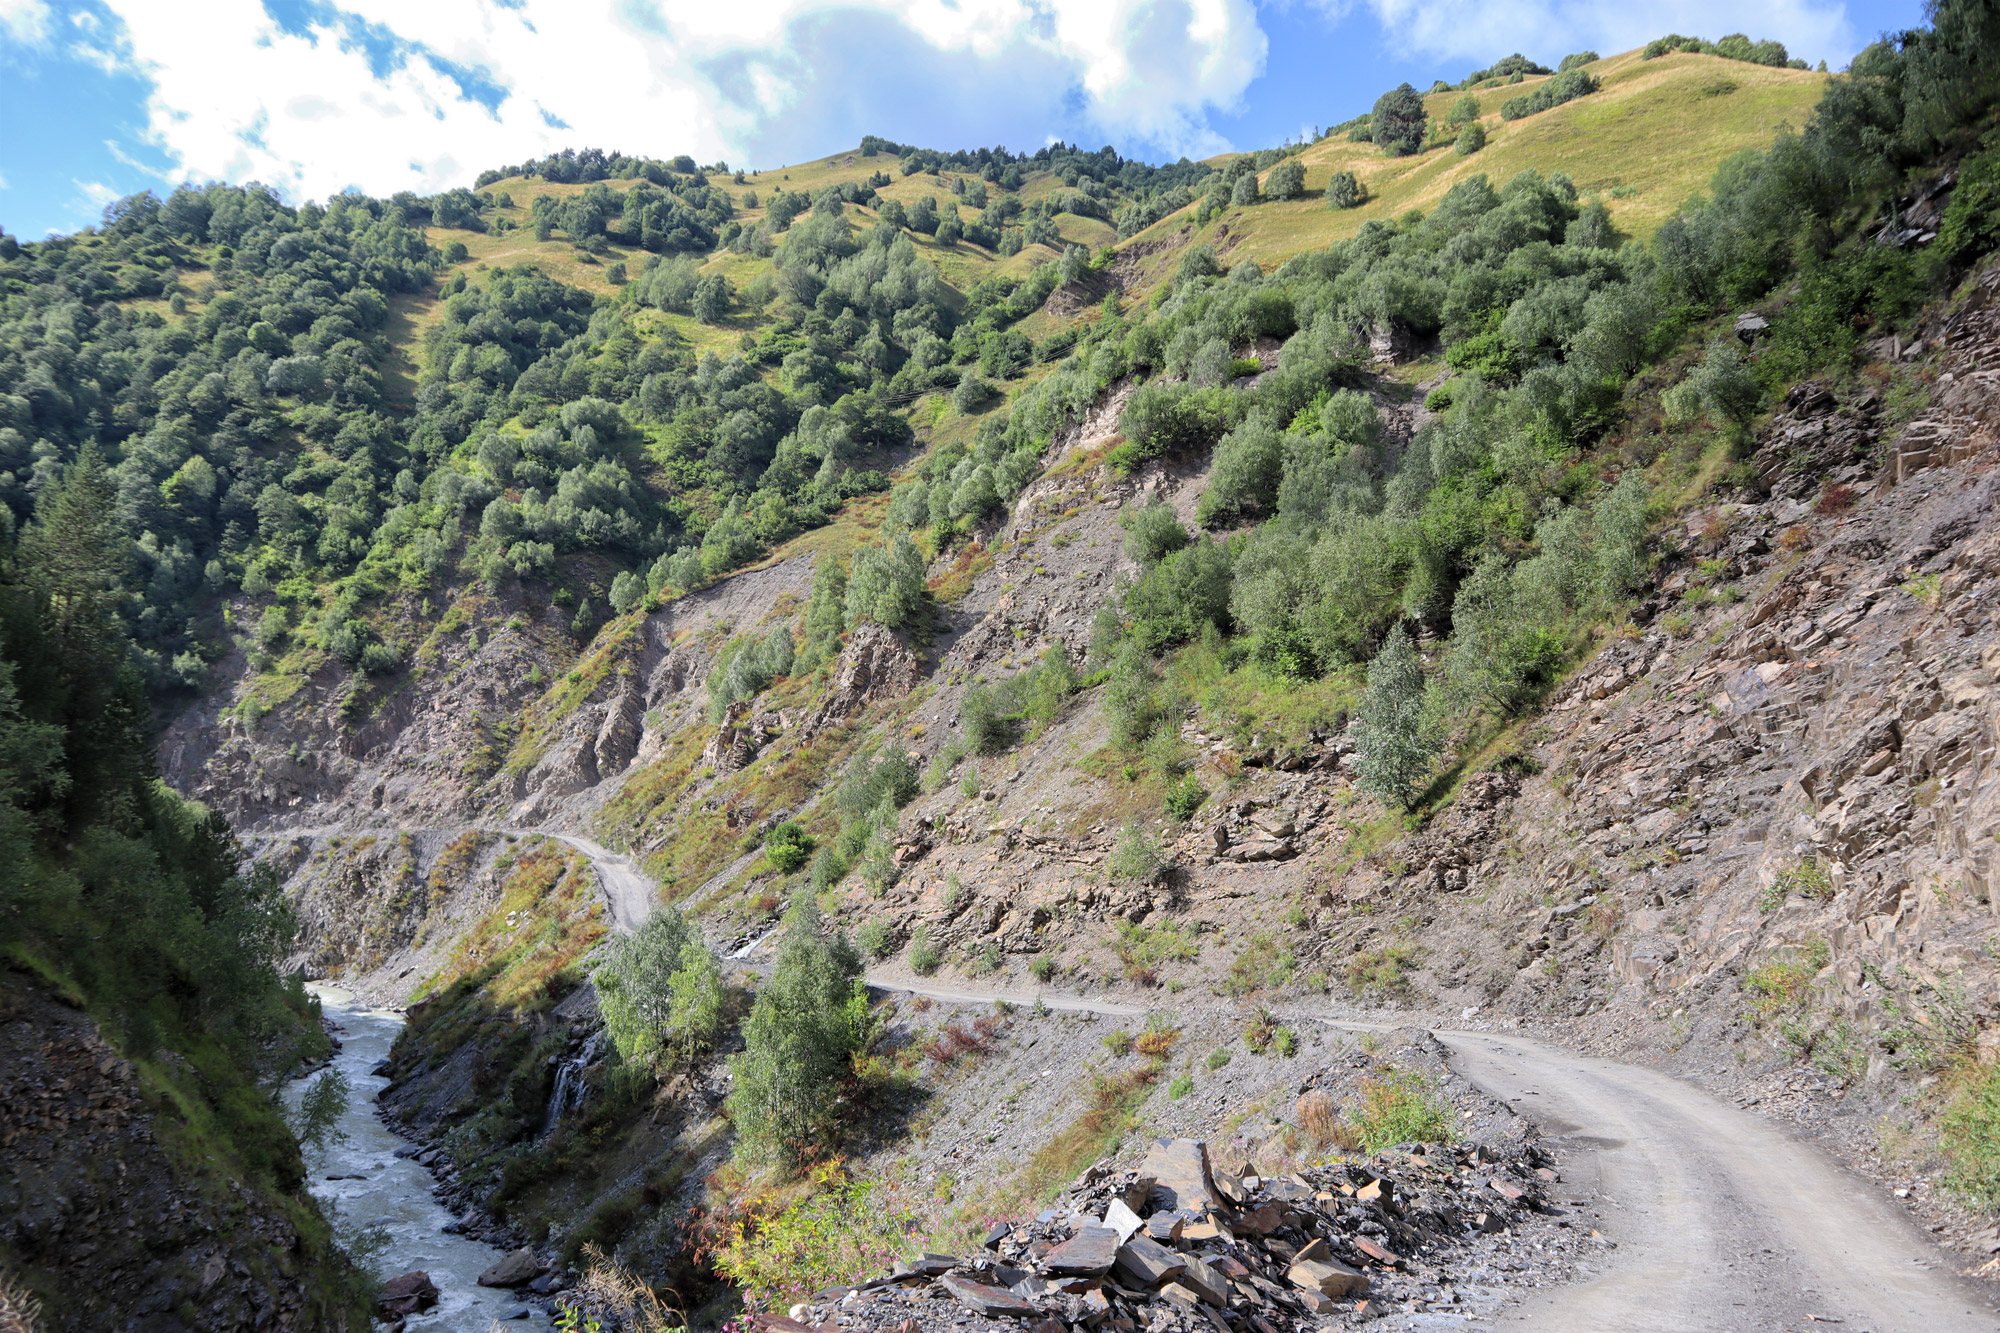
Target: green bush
x,y
1185,797
922,957
1042,968
1137,855
1118,1042
788,846
1345,191
1470,139
873,937
1971,224
1402,1106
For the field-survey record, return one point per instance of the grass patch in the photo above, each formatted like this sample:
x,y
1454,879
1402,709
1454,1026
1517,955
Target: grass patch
x,y
1383,971
1107,1117
1402,1106
1262,961
1144,949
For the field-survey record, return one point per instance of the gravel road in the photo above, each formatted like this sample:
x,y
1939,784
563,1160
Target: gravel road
x,y
1721,1220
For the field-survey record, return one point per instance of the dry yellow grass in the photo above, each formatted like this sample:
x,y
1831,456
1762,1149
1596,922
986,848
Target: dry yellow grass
x,y
1646,141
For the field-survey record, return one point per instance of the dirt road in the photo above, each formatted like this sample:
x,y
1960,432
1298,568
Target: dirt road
x,y
1722,1220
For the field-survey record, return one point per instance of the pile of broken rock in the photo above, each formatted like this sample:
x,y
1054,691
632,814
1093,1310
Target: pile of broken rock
x,y
1179,1244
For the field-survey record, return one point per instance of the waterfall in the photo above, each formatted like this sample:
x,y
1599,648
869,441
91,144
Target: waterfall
x,y
570,1088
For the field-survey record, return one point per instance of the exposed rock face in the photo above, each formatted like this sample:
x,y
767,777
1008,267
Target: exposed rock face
x,y
95,1208
874,665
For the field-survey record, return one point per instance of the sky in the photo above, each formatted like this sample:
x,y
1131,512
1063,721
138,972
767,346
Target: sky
x,y
105,98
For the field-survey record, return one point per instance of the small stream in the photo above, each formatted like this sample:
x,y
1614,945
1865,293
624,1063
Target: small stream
x,y
394,1193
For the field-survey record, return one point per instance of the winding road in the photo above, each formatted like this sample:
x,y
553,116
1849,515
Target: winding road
x,y
1721,1220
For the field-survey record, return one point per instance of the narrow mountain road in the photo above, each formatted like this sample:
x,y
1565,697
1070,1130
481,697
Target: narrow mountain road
x,y
1722,1221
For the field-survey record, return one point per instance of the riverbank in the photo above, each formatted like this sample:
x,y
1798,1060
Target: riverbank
x,y
388,1200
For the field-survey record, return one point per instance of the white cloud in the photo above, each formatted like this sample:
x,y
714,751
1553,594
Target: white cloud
x,y
95,194
236,96
1484,30
3,183
24,21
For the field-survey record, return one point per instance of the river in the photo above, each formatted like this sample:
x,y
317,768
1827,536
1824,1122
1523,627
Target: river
x,y
394,1193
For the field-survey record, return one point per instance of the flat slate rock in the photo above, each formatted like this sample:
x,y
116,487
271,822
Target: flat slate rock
x,y
1121,1220
1328,1277
990,1301
1089,1253
1180,1172
1144,1264
1204,1281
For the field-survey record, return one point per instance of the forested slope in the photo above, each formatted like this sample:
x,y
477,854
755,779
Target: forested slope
x,y
152,1180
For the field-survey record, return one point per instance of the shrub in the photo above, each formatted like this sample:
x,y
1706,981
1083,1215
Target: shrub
x,y
1286,181
1286,1041
1184,798
836,1234
1159,1039
788,846
1385,969
1152,532
1118,1042
1143,948
1137,855
1042,968
1217,1059
1402,1106
988,725
886,585
1319,1116
923,958
1971,223
1470,139
1181,1087
873,937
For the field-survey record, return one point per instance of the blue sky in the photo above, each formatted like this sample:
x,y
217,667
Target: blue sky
x,y
103,98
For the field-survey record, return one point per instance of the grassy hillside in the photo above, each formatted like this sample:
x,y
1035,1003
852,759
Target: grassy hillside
x,y
1645,142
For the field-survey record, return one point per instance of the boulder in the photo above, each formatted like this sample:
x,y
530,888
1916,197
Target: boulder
x,y
517,1269
1141,1263
406,1295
